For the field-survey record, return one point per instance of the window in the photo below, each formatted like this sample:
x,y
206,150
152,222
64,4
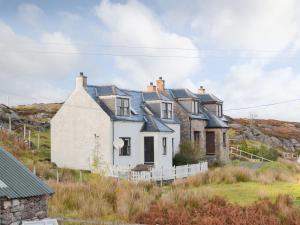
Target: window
x,y
195,107
123,107
125,150
167,110
173,148
220,110
197,138
164,142
224,140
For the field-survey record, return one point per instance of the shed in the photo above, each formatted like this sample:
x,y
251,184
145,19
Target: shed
x,y
23,196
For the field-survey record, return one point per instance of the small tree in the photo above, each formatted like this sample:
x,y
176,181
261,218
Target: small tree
x,y
189,153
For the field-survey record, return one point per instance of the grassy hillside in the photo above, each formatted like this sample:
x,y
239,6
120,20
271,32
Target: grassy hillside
x,y
101,198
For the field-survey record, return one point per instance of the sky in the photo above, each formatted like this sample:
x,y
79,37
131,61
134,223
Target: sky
x,y
245,52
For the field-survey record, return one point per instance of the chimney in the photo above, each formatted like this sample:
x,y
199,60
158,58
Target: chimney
x,y
201,90
160,83
81,81
151,87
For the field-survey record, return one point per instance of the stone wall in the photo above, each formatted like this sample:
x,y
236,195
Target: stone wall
x,y
199,125
12,212
185,128
222,150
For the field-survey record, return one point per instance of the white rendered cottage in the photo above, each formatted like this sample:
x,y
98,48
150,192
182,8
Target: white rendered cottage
x,y
90,124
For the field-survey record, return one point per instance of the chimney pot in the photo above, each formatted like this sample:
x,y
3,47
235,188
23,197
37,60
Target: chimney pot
x,y
160,83
81,81
201,90
151,87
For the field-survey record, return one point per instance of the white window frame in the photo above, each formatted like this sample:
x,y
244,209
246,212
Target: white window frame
x,y
128,114
195,107
169,110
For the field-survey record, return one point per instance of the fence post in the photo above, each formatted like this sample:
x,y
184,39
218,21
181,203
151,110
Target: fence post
x,y
162,171
188,170
199,166
57,176
80,176
175,173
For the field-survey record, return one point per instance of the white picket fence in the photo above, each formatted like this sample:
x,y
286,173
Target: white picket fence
x,y
158,173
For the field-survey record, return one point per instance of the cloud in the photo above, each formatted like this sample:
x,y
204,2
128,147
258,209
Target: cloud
x,y
133,24
235,24
30,14
27,70
251,85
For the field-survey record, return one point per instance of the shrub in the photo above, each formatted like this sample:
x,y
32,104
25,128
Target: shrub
x,y
189,154
218,211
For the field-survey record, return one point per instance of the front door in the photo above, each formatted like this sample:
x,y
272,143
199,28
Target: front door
x,y
149,150
210,143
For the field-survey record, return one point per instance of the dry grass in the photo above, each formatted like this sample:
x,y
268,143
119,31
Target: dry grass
x,y
282,170
102,198
227,175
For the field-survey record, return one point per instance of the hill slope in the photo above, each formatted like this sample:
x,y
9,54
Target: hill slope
x,y
274,133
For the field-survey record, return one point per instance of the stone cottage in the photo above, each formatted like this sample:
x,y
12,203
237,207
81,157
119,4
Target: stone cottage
x,y
201,118
23,196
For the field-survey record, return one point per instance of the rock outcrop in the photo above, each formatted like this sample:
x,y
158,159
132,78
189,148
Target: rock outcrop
x,y
279,134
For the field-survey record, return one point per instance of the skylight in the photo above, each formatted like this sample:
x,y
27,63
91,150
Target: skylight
x,y
2,184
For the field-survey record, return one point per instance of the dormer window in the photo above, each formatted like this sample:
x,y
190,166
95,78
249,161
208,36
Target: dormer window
x,y
220,110
195,107
123,108
167,112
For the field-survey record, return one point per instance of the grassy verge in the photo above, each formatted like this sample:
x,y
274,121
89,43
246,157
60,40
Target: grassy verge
x,y
249,192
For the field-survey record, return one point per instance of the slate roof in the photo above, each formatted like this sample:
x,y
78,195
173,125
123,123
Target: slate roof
x,y
212,120
182,93
16,181
138,102
153,96
105,90
153,124
209,98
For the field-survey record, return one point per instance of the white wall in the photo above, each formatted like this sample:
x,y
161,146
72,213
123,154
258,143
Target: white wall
x,y
132,130
73,131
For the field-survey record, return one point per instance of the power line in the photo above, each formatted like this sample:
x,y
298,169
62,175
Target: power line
x,y
233,109
105,54
202,54
146,47
264,105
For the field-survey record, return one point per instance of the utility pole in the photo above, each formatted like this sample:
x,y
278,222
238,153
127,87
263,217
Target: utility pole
x,y
8,102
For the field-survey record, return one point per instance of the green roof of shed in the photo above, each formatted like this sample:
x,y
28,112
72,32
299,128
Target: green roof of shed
x,y
16,181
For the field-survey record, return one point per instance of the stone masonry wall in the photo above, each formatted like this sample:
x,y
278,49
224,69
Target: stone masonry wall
x,y
13,212
185,129
222,151
199,125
